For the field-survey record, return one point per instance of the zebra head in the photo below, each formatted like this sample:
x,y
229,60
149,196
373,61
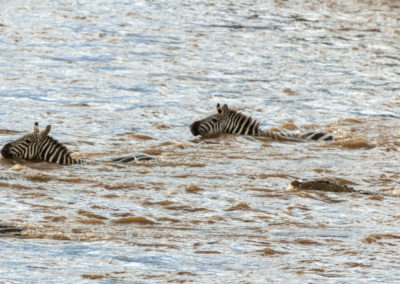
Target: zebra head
x,y
213,124
26,147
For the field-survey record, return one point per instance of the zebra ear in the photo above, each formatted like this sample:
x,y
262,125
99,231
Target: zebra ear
x,y
219,109
46,131
225,108
36,127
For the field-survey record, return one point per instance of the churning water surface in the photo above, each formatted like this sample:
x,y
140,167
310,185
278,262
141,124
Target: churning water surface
x,y
120,77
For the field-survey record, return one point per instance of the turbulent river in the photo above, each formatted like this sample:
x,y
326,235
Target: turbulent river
x,y
119,77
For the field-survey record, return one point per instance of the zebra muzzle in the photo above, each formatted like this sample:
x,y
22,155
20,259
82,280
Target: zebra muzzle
x,y
194,128
5,151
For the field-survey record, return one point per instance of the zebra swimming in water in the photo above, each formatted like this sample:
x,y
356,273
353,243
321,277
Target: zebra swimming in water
x,y
227,120
39,146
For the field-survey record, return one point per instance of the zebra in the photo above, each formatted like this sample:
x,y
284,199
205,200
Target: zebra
x,y
39,146
228,120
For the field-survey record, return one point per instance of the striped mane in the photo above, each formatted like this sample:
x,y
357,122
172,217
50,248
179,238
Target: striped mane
x,y
242,124
56,150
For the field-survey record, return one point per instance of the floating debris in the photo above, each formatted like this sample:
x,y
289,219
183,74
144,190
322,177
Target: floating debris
x,y
10,231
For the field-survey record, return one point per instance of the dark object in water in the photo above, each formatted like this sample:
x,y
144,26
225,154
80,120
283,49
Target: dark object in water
x,y
9,230
139,157
324,185
321,185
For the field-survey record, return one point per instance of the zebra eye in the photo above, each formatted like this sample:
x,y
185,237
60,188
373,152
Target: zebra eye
x,y
27,141
214,120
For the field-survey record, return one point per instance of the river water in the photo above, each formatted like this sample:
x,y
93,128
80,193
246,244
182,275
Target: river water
x,y
117,77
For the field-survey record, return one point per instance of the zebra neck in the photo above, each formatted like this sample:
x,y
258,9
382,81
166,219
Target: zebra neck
x,y
54,152
241,124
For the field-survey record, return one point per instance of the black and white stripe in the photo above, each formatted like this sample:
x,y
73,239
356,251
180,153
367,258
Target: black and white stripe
x,y
39,146
50,150
231,121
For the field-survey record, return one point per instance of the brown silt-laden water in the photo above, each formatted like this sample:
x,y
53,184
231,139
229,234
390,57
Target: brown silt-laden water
x,y
114,78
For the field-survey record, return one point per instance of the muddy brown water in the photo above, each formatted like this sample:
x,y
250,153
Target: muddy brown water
x,y
115,77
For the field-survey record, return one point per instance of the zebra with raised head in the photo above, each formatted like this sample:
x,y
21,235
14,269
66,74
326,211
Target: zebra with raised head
x,y
228,120
39,146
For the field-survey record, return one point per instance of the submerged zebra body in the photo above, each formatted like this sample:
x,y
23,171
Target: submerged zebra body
x,y
227,120
39,146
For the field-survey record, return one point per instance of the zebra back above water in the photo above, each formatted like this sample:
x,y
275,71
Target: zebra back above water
x,y
39,146
228,120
